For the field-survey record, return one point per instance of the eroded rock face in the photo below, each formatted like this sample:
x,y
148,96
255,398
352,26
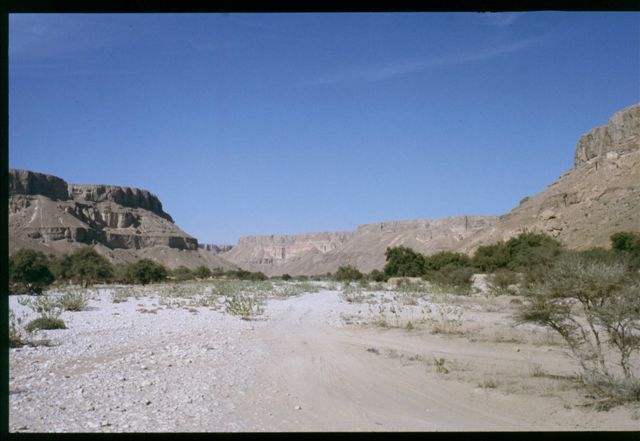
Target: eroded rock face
x,y
619,136
47,210
124,196
26,182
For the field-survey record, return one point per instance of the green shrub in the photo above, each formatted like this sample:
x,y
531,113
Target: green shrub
x,y
520,253
202,272
403,262
285,277
246,275
45,323
453,277
488,258
85,266
182,273
627,245
625,241
377,276
29,272
532,249
348,273
437,261
145,271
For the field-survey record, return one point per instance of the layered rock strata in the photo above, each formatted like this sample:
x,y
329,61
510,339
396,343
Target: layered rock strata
x,y
48,214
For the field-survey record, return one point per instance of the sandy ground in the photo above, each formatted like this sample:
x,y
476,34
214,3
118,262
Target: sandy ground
x,y
309,363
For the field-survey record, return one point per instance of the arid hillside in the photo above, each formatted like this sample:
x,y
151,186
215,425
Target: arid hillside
x,y
123,224
599,196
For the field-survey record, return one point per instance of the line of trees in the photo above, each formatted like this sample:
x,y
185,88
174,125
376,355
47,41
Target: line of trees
x,y
522,259
32,271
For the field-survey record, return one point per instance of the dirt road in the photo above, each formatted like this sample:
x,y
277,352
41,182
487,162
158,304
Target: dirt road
x,y
298,367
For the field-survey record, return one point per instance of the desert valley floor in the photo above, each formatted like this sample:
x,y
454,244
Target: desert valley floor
x,y
157,359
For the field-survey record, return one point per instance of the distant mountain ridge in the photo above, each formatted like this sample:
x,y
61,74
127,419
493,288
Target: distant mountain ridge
x,y
320,253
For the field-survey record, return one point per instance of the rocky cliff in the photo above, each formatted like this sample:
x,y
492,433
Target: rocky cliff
x,y
621,135
599,196
320,253
48,214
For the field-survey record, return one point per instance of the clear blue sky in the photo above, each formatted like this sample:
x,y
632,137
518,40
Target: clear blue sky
x,y
250,124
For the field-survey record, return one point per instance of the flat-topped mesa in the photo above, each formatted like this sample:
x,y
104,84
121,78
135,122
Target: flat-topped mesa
x,y
124,196
275,239
26,182
458,223
619,136
270,249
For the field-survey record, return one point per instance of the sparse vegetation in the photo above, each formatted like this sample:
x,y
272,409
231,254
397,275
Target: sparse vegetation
x,y
245,306
74,300
591,303
16,330
439,363
501,281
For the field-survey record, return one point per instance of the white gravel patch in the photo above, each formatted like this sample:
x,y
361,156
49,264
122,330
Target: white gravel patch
x,y
117,369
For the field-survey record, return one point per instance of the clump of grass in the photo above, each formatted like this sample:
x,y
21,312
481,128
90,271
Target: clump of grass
x,y
245,306
440,366
448,320
488,383
16,330
147,310
352,294
537,371
45,323
49,309
74,301
119,295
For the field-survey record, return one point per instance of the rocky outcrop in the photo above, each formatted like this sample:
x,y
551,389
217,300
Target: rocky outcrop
x,y
46,213
619,136
29,183
320,253
123,196
599,196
